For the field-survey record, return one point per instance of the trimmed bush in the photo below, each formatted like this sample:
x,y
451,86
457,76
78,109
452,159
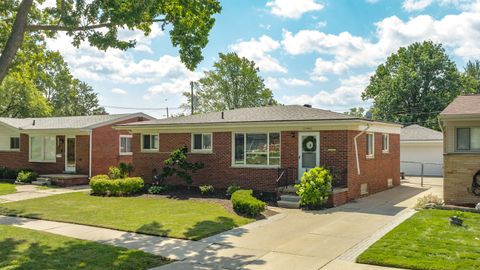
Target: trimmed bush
x,y
314,188
8,174
231,189
207,189
158,189
244,203
26,176
104,186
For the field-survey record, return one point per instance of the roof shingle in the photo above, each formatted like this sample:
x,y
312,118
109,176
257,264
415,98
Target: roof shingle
x,y
68,122
257,114
463,105
419,133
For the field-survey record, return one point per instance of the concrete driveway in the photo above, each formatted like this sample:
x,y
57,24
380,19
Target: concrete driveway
x,y
297,239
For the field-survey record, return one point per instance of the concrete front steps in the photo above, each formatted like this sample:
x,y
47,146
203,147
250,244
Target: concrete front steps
x,y
289,201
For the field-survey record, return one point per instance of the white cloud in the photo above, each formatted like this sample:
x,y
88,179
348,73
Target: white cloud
x,y
418,5
119,91
143,42
117,66
347,95
293,9
459,33
277,83
258,51
413,5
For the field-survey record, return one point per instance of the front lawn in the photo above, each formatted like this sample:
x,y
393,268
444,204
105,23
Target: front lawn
x,y
6,188
28,249
428,241
188,219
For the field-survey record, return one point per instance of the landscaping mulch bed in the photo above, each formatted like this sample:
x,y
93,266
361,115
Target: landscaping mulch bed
x,y
216,197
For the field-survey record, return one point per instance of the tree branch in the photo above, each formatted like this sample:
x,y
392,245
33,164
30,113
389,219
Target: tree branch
x,y
78,28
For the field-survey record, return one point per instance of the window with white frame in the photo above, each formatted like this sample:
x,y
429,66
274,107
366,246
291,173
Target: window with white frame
x,y
14,143
385,143
43,148
257,149
125,144
201,142
468,139
150,142
370,145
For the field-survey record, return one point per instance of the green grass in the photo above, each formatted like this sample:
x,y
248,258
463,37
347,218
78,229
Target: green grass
x,y
33,250
188,219
6,188
428,241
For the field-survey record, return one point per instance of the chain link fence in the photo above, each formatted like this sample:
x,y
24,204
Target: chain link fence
x,y
421,169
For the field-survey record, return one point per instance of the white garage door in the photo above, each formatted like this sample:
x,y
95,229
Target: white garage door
x,y
413,154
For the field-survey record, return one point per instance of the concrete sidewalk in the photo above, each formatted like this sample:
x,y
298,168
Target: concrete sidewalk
x,y
26,192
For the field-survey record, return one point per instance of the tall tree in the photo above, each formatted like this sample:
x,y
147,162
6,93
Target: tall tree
x,y
414,85
471,77
233,83
98,22
356,112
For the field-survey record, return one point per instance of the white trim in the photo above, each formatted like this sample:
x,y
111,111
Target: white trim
x,y
300,151
201,151
126,117
151,150
372,155
120,145
253,166
386,151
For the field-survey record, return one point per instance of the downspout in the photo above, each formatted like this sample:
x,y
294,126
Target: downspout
x,y
90,154
443,134
356,147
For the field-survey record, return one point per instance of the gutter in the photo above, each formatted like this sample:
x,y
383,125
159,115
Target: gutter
x,y
356,147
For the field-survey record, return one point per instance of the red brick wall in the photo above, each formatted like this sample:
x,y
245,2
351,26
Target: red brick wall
x,y
106,147
376,171
336,149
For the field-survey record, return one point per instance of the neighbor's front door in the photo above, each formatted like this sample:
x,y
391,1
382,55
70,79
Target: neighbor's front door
x,y
70,150
308,151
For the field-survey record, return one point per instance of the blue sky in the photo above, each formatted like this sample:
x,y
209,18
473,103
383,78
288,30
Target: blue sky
x,y
320,52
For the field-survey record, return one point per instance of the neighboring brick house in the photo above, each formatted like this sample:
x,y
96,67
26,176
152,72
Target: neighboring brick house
x,y
82,145
460,122
263,148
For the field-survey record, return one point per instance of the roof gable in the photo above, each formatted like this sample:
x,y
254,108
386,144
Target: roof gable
x,y
463,105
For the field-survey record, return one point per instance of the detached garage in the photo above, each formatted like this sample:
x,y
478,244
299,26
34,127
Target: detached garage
x,y
421,145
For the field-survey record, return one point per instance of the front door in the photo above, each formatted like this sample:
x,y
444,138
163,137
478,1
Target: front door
x,y
308,151
70,150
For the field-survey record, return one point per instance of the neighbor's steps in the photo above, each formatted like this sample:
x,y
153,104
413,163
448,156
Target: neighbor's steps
x,y
289,201
42,181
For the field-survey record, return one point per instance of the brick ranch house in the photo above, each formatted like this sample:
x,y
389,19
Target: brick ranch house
x,y
460,123
267,147
69,148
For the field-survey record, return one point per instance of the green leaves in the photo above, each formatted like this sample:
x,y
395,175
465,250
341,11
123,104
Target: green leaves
x,y
414,85
315,187
234,83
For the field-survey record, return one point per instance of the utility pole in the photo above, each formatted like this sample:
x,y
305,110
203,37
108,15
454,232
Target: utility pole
x,y
191,96
167,112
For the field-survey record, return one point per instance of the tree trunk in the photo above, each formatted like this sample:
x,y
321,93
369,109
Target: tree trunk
x,y
15,39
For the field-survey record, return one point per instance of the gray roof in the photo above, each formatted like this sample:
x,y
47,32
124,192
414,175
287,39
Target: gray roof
x,y
68,122
257,114
463,105
419,133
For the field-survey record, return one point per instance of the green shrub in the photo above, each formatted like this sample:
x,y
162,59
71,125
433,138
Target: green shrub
x,y
125,169
8,174
103,186
314,188
114,173
25,176
231,189
158,189
206,189
244,203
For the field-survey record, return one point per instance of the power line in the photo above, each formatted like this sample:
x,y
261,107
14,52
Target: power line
x,y
139,108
